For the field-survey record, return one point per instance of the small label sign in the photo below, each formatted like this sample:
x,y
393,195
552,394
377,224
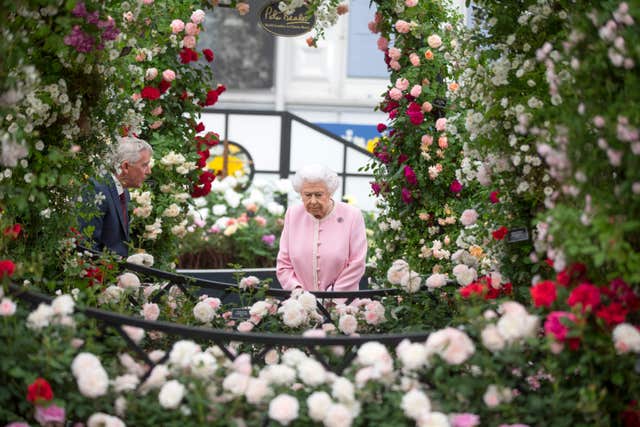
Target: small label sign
x,y
240,313
280,24
520,234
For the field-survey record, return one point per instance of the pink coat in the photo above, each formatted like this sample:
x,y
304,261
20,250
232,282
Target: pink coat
x,y
315,254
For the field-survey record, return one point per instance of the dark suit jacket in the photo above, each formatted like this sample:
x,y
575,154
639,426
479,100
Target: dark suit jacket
x,y
110,230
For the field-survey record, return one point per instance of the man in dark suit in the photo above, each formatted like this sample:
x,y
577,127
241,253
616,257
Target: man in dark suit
x,y
130,166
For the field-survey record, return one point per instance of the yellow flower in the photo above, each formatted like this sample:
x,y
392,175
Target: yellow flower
x,y
372,143
476,251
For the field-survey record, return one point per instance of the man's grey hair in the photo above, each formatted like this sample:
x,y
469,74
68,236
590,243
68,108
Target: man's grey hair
x,y
128,149
316,173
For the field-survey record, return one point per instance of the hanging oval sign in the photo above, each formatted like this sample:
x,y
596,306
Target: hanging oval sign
x,y
280,24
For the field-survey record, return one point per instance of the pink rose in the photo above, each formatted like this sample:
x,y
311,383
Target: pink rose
x,y
189,42
191,29
383,44
441,124
7,307
402,83
427,107
197,17
242,8
395,65
348,324
416,90
150,311
491,396
156,111
464,420
151,73
395,94
469,217
156,124
415,59
373,27
245,326
168,75
402,26
555,326
410,3
176,26
453,345
426,140
394,53
147,2
443,142
434,41
50,414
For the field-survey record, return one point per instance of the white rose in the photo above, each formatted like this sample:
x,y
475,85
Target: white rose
x,y
171,394
415,403
293,313
626,338
128,281
260,309
111,295
338,415
203,365
136,334
411,282
257,390
203,312
468,217
127,382
343,390
452,345
157,378
293,357
436,281
412,355
84,362
312,372
182,353
100,419
318,403
397,270
372,353
141,259
63,305
93,383
492,339
284,409
236,383
464,275
219,210
248,282
348,324
514,327
40,317
172,211
308,301
278,374
433,419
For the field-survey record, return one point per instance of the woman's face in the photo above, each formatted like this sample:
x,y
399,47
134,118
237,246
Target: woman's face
x,y
316,198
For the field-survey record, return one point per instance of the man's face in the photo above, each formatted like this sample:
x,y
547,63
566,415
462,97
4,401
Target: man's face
x,y
316,198
133,174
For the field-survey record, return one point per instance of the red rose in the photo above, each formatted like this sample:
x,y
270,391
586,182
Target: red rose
x,y
7,268
150,93
586,294
94,275
188,55
39,391
613,314
500,233
184,95
220,89
206,177
563,278
13,231
544,293
164,86
455,187
202,161
208,54
199,127
493,197
212,97
381,127
472,289
200,190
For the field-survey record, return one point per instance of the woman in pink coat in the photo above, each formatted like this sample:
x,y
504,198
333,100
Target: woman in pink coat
x,y
323,245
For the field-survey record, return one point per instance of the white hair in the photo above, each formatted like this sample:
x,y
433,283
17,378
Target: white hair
x,y
128,149
316,173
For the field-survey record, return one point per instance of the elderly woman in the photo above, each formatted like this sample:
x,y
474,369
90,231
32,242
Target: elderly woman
x,y
323,244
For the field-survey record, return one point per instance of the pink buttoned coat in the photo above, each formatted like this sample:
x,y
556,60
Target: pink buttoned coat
x,y
322,254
